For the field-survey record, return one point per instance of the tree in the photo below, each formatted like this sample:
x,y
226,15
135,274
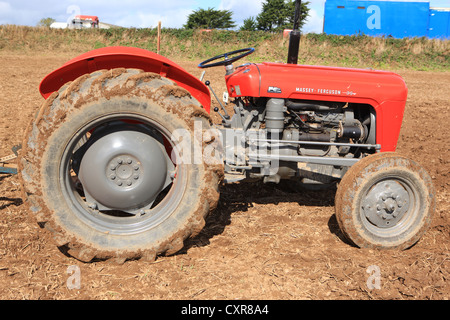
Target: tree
x,y
45,22
210,19
277,15
250,24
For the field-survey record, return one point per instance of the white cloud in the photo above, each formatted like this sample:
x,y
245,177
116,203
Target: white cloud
x,y
5,12
169,19
137,13
141,13
22,12
242,9
314,23
5,7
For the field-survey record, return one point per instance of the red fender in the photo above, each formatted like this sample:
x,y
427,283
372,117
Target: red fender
x,y
125,57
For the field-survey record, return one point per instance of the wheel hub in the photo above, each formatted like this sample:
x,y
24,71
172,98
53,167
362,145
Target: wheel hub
x,y
124,170
386,203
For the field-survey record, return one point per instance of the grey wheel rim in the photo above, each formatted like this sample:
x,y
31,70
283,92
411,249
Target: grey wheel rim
x,y
114,201
390,206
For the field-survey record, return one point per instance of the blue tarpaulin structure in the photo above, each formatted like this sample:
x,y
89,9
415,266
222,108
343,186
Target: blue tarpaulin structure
x,y
397,19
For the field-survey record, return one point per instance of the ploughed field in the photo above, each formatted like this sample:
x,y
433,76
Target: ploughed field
x,y
262,242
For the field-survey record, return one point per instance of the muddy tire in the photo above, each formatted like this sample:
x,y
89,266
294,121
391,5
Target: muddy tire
x,y
385,201
103,172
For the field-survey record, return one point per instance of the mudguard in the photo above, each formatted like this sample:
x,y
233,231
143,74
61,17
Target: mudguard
x,y
125,57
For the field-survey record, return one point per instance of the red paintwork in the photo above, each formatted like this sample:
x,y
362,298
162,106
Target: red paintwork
x,y
386,92
125,57
83,17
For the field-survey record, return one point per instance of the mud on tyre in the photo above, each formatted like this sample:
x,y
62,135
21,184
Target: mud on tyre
x,y
97,167
385,201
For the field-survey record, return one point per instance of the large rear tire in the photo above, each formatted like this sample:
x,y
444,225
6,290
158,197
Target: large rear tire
x,y
385,201
100,171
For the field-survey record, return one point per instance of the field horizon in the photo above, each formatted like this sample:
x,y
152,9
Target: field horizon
x,y
358,51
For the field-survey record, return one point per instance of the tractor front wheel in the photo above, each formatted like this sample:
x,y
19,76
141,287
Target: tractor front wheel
x,y
385,201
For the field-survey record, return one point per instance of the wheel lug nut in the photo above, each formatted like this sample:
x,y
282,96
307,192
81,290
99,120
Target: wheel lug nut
x,y
93,206
119,161
136,176
129,161
119,183
129,183
112,177
136,168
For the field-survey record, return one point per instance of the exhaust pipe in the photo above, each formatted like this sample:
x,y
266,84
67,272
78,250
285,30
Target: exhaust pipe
x,y
294,36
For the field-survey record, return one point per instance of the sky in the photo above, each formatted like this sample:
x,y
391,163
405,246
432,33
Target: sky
x,y
146,13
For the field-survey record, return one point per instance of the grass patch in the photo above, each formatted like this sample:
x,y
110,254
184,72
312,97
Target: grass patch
x,y
181,44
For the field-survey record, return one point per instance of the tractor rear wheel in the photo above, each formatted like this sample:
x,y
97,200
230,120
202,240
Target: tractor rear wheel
x,y
102,166
385,201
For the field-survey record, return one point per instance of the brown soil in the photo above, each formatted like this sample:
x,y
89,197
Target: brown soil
x,y
262,242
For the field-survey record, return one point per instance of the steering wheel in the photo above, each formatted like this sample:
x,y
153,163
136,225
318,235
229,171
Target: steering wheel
x,y
228,58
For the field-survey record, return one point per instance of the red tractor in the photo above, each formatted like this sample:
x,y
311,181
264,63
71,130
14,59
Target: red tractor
x,y
123,161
